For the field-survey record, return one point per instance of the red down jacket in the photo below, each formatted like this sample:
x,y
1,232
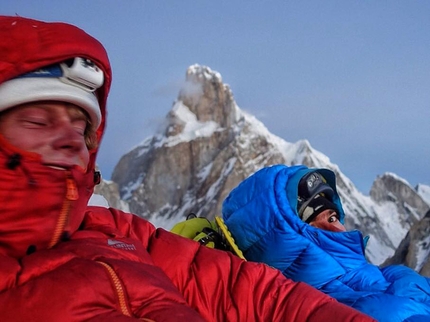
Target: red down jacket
x,y
62,261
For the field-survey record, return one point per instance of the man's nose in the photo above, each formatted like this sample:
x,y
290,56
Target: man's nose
x,y
68,138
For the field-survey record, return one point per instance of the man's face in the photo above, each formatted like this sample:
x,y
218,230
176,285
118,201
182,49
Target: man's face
x,y
55,130
328,220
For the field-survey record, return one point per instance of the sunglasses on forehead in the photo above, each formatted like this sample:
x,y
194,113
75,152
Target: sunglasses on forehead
x,y
314,195
313,184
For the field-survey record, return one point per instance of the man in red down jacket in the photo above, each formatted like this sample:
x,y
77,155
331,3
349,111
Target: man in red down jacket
x,y
63,261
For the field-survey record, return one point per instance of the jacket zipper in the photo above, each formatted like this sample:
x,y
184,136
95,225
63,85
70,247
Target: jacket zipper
x,y
71,195
118,289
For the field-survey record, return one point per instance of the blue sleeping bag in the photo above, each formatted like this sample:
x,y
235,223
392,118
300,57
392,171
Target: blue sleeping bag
x,y
261,217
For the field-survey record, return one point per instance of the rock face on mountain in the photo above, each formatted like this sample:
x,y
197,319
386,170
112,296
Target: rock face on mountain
x,y
414,249
390,188
208,145
110,191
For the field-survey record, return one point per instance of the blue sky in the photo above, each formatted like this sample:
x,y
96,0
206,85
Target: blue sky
x,y
352,77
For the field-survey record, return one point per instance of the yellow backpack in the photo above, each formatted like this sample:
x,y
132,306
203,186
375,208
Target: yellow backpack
x,y
213,234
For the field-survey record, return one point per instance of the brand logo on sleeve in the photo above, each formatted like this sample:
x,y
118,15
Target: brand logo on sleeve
x,y
121,245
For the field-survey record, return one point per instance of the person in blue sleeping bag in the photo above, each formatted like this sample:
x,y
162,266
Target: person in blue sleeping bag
x,y
292,218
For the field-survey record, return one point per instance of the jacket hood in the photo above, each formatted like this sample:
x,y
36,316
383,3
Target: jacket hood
x,y
28,44
43,205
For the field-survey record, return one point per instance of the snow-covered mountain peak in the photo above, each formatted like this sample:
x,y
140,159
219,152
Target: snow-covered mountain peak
x,y
209,145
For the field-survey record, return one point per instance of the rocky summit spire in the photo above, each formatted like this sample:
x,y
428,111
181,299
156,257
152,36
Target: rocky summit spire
x,y
206,96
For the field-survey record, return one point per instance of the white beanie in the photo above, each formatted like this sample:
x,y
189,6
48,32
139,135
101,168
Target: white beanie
x,y
73,82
